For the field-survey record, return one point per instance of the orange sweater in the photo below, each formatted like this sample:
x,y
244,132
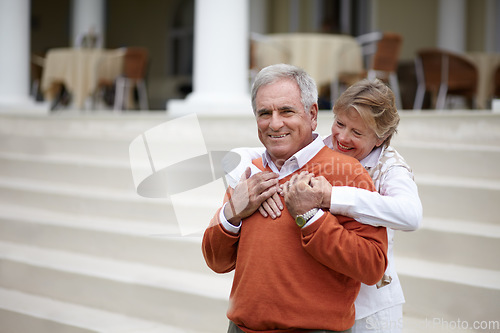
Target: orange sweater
x,y
291,279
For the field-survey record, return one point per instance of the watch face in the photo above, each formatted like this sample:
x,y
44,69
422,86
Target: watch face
x,y
300,221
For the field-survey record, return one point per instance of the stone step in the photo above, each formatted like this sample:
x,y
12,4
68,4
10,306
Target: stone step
x,y
446,241
109,149
148,243
65,125
85,201
173,297
78,171
86,170
459,198
112,136
458,127
466,127
91,172
21,312
175,209
456,160
438,290
113,149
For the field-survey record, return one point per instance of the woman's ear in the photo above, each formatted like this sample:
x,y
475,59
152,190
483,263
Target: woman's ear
x,y
380,142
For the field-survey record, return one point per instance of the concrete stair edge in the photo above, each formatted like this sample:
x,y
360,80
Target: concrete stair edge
x,y
74,317
165,295
425,284
149,243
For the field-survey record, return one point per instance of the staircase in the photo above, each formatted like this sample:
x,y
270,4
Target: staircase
x,y
449,268
80,251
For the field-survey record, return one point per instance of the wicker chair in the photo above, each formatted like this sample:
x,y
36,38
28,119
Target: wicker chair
x,y
135,65
381,51
444,73
496,92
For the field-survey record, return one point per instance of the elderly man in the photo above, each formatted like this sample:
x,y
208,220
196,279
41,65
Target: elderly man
x,y
301,271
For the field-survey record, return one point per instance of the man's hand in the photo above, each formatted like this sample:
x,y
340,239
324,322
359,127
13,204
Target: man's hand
x,y
249,194
304,192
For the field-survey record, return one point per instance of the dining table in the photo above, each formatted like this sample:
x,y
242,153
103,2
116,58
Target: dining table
x,y
486,64
321,55
80,70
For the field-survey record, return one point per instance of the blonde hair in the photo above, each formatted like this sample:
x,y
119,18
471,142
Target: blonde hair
x,y
375,103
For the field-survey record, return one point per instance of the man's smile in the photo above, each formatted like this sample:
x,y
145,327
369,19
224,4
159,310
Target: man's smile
x,y
278,136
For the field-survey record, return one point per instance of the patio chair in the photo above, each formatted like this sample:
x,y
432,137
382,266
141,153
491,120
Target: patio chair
x,y
444,73
381,52
135,65
496,92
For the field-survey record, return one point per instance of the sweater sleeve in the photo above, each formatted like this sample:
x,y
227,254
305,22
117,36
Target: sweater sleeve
x,y
347,246
219,246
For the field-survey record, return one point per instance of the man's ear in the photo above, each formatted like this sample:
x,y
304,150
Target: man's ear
x,y
313,113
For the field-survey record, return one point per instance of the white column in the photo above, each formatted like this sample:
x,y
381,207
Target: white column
x,y
451,25
88,16
258,16
221,73
492,26
15,54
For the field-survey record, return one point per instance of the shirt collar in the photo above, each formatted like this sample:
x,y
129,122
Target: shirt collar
x,y
328,141
372,158
299,159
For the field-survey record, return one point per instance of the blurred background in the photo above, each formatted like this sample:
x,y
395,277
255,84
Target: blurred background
x,y
81,80
166,29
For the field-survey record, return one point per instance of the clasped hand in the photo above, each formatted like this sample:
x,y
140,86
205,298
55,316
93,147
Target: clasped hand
x,y
302,193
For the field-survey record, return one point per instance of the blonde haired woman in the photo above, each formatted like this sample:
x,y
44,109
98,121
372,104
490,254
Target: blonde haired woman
x,y
366,118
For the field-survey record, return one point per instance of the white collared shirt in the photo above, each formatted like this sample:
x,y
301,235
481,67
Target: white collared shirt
x,y
294,163
397,207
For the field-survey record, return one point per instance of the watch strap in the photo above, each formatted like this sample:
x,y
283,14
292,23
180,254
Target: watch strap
x,y
302,219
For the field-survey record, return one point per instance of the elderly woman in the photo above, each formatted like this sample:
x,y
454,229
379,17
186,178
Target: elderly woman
x,y
366,118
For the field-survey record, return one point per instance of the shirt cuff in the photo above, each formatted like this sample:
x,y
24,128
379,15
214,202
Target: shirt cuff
x,y
226,224
313,219
342,200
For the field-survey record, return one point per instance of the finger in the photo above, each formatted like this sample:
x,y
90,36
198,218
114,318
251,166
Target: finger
x,y
306,177
274,205
265,175
265,185
302,186
268,209
268,193
263,212
293,180
278,201
280,189
246,174
315,182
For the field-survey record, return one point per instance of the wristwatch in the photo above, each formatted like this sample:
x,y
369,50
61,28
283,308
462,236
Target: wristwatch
x,y
301,220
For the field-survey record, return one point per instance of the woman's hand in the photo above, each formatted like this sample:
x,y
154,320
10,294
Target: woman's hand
x,y
321,186
272,207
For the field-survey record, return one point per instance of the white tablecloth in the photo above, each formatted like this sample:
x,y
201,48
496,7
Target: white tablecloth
x,y
486,64
79,70
322,56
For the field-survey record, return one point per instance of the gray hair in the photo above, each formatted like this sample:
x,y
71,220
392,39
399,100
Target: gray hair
x,y
273,73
